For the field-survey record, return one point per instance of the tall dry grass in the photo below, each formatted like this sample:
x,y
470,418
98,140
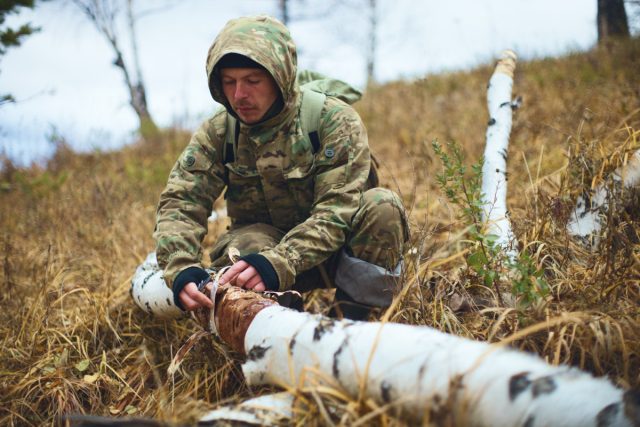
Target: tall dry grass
x,y
72,233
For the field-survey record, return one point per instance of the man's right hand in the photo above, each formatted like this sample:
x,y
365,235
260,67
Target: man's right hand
x,y
191,298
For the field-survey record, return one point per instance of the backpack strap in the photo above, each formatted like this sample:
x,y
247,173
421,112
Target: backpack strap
x,y
230,138
310,111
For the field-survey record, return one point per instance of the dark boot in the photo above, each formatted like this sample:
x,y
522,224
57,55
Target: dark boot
x,y
345,307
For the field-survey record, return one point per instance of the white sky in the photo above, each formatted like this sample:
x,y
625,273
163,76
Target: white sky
x,y
65,83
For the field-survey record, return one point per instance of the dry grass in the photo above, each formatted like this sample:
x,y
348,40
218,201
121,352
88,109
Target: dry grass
x,y
73,233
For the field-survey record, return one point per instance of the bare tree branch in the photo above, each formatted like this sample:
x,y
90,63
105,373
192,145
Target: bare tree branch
x,y
103,15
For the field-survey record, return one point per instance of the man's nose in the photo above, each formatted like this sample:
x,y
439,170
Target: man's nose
x,y
240,92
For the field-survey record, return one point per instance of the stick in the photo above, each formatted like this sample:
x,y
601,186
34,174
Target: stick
x,y
494,169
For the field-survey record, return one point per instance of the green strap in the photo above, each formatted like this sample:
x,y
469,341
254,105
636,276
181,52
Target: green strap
x,y
310,111
312,104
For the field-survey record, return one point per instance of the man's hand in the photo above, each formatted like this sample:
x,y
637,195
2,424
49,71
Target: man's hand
x,y
243,275
191,298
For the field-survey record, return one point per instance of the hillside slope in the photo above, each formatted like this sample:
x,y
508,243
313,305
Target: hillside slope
x,y
73,233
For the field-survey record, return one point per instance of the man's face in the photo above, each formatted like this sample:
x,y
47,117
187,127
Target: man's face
x,y
249,91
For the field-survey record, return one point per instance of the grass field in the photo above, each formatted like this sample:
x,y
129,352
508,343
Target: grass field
x,y
73,232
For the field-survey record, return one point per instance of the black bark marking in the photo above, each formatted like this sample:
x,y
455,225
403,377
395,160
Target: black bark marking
x,y
324,326
292,343
517,384
168,301
146,304
146,279
544,385
607,416
503,153
504,104
336,356
385,391
491,122
631,401
529,422
257,352
422,370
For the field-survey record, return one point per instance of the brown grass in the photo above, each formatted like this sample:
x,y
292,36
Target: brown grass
x,y
72,233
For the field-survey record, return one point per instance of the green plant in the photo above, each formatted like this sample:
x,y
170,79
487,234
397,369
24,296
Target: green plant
x,y
485,257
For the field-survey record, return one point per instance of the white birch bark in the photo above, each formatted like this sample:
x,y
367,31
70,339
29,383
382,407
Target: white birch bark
x,y
267,410
422,373
494,169
150,292
419,372
587,219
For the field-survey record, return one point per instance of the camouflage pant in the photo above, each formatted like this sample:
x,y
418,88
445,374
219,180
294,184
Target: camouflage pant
x,y
366,268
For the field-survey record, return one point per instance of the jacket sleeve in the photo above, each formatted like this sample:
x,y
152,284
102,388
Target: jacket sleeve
x,y
341,171
195,182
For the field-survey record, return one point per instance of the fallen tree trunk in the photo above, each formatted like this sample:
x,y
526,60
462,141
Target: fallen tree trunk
x,y
423,374
419,373
267,410
588,217
494,168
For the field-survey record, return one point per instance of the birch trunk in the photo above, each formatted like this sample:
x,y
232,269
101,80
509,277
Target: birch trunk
x,y
494,169
587,218
268,410
420,373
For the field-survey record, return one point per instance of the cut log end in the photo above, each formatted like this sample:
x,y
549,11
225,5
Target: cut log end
x,y
235,310
507,63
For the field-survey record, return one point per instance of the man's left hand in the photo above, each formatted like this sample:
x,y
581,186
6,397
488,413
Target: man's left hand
x,y
243,275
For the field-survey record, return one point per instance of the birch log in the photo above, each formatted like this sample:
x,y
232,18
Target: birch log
x,y
268,410
419,372
150,292
587,218
494,169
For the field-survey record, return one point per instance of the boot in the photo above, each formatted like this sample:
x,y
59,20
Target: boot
x,y
346,307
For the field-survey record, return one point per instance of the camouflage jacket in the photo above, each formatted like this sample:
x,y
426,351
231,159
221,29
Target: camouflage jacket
x,y
275,177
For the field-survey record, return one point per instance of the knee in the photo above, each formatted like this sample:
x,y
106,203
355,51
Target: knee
x,y
380,229
384,208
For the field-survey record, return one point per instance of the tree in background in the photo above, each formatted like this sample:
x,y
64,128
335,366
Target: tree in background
x,y
12,37
612,20
283,10
104,14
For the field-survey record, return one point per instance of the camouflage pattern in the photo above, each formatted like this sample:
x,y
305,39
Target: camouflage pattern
x,y
379,231
275,179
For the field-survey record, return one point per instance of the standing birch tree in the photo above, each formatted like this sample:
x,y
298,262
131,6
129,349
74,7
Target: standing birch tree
x,y
103,15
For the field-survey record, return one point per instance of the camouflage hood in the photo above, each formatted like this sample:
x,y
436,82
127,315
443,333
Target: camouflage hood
x,y
266,41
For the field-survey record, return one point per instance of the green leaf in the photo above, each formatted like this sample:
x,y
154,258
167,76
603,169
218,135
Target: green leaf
x,y
83,365
477,260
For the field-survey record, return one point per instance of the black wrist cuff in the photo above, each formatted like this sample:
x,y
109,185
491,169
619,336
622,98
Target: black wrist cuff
x,y
188,275
264,269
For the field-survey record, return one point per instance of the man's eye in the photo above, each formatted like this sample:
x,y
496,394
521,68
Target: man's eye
x,y
254,82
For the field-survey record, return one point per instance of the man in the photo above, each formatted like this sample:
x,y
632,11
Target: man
x,y
300,218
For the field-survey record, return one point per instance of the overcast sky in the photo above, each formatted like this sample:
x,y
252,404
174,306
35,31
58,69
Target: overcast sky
x,y
65,82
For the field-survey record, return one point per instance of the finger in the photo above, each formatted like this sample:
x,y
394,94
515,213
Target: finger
x,y
232,272
260,287
252,282
201,299
187,302
245,277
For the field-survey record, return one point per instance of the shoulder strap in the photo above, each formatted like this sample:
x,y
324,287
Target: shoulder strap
x,y
231,136
310,111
